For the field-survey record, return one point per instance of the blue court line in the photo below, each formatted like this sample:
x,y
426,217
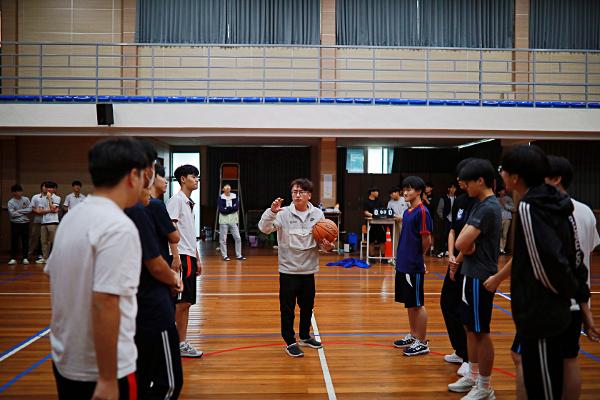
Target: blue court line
x,y
593,357
24,341
22,374
16,278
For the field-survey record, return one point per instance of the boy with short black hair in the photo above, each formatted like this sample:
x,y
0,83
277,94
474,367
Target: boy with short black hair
x,y
480,242
72,199
451,297
94,273
414,241
180,208
376,233
560,175
399,205
19,208
48,207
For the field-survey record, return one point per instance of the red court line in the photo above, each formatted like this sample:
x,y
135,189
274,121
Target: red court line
x,y
214,353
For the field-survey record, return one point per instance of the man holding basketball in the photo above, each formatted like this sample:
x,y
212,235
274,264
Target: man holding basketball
x,y
298,261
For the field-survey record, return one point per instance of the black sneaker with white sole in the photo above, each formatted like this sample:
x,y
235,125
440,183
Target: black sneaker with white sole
x,y
310,342
417,348
293,350
407,341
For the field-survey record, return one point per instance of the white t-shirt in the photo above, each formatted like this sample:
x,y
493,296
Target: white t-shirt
x,y
101,255
35,203
586,229
399,206
71,200
50,218
179,210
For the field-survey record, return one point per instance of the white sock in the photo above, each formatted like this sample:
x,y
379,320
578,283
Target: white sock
x,y
473,371
483,382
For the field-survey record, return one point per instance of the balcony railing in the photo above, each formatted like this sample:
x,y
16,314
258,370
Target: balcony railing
x,y
105,69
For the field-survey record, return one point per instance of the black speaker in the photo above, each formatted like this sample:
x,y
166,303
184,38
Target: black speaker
x,y
104,113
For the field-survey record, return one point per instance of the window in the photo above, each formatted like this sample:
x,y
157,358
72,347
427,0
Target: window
x,y
355,161
380,160
192,159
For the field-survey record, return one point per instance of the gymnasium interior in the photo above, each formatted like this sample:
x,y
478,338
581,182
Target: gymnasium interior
x,y
351,94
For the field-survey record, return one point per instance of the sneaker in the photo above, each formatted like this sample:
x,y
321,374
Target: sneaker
x,y
187,350
275,247
240,258
453,358
25,261
226,258
440,255
293,350
12,261
417,348
311,342
503,252
40,261
407,341
463,385
478,393
463,370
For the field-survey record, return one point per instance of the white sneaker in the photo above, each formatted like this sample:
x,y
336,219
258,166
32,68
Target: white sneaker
x,y
40,261
187,350
463,370
478,393
12,261
25,261
462,385
453,358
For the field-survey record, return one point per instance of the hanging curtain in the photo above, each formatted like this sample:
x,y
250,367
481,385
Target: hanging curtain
x,y
228,21
467,23
377,22
273,21
180,21
559,24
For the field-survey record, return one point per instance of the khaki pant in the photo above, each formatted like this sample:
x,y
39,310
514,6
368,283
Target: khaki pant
x,y
48,233
397,230
34,240
505,228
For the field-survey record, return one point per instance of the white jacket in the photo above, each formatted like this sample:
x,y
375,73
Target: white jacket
x,y
298,250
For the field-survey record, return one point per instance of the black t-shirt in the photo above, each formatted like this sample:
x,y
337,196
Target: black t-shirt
x,y
370,205
461,209
431,206
487,217
155,307
157,210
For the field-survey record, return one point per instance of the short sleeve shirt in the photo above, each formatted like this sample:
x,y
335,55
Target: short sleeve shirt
x,y
416,222
50,218
180,210
71,201
487,217
101,255
370,205
155,308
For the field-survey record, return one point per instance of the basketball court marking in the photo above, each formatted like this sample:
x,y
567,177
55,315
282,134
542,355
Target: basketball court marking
x,y
324,367
270,294
24,344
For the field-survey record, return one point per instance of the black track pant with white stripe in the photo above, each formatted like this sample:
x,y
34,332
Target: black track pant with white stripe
x,y
543,367
159,371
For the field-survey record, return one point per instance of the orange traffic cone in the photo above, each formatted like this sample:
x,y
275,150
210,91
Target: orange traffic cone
x,y
388,243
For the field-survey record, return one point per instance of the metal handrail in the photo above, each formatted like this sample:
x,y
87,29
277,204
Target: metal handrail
x,y
260,73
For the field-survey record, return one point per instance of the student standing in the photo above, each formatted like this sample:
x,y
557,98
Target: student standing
x,y
75,198
94,274
228,222
415,240
19,208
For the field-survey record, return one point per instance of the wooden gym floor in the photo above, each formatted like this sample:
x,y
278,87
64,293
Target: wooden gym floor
x,y
236,324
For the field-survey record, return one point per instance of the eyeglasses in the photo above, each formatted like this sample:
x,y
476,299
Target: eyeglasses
x,y
299,192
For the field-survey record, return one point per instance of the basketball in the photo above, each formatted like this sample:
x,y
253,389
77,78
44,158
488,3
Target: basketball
x,y
325,229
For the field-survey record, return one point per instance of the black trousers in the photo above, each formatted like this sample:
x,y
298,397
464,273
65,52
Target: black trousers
x,y
451,304
19,233
543,367
80,390
296,289
159,371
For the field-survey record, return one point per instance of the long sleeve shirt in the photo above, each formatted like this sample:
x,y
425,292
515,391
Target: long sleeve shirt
x,y
19,210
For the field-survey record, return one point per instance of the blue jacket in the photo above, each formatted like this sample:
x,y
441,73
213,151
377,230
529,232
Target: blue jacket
x,y
223,209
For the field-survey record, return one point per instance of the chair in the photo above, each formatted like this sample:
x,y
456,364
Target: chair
x,y
363,242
